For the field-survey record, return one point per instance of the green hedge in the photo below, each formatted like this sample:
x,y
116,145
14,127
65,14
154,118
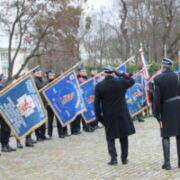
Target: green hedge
x,y
154,67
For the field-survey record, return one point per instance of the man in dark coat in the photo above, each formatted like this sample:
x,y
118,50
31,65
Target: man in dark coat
x,y
112,111
41,131
167,108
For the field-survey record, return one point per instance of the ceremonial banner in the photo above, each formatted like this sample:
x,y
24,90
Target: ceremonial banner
x,y
136,96
122,68
21,107
144,64
64,97
88,94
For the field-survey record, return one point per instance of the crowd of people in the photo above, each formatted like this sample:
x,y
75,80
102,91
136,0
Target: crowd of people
x,y
112,111
45,132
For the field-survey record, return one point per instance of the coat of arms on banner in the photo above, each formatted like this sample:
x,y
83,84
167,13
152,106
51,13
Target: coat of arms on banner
x,y
25,105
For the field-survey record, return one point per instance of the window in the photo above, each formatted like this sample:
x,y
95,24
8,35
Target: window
x,y
4,63
4,58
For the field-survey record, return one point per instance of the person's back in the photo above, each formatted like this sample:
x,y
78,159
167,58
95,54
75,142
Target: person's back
x,y
168,83
112,111
166,108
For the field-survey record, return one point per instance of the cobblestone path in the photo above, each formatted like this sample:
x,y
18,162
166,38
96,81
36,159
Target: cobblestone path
x,y
85,157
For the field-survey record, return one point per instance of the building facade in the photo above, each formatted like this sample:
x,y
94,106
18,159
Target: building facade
x,y
4,65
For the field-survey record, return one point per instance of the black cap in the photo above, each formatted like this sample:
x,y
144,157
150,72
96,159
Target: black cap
x,y
37,70
167,62
109,69
50,72
82,69
93,69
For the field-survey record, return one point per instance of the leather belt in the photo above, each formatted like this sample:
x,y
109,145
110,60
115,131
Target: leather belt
x,y
172,99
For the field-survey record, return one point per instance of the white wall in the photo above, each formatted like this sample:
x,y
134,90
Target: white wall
x,y
18,62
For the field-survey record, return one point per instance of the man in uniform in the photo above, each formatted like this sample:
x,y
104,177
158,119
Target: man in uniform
x,y
112,111
5,130
41,131
167,108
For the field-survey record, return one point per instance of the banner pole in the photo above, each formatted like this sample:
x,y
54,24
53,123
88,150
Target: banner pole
x,y
156,74
127,61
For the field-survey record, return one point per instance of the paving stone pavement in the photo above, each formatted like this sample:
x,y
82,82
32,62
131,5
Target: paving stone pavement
x,y
85,157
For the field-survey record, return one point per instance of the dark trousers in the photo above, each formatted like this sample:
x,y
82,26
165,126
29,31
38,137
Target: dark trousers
x,y
112,148
41,131
75,125
61,130
5,132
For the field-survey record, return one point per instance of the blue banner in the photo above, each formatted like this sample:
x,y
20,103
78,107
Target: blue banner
x,y
136,95
122,68
65,98
22,108
88,95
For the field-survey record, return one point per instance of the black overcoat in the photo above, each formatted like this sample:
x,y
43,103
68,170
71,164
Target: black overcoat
x,y
111,107
167,112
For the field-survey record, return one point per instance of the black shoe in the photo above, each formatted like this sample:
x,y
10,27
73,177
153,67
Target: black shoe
x,y
19,145
66,135
45,138
12,149
125,161
32,141
140,120
5,149
76,133
40,139
29,144
112,162
88,129
166,166
61,136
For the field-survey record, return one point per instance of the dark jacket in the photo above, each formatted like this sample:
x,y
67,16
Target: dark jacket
x,y
40,84
110,101
167,113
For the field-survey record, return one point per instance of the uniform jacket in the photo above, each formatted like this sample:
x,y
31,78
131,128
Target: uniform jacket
x,y
110,101
40,84
168,113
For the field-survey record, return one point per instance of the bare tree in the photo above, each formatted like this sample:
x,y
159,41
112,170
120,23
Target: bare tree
x,y
27,23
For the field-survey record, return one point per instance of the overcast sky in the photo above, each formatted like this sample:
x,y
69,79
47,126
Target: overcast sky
x,y
97,4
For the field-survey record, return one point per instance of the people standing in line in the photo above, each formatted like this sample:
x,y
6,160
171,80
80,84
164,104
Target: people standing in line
x,y
112,111
5,129
167,108
41,131
62,131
